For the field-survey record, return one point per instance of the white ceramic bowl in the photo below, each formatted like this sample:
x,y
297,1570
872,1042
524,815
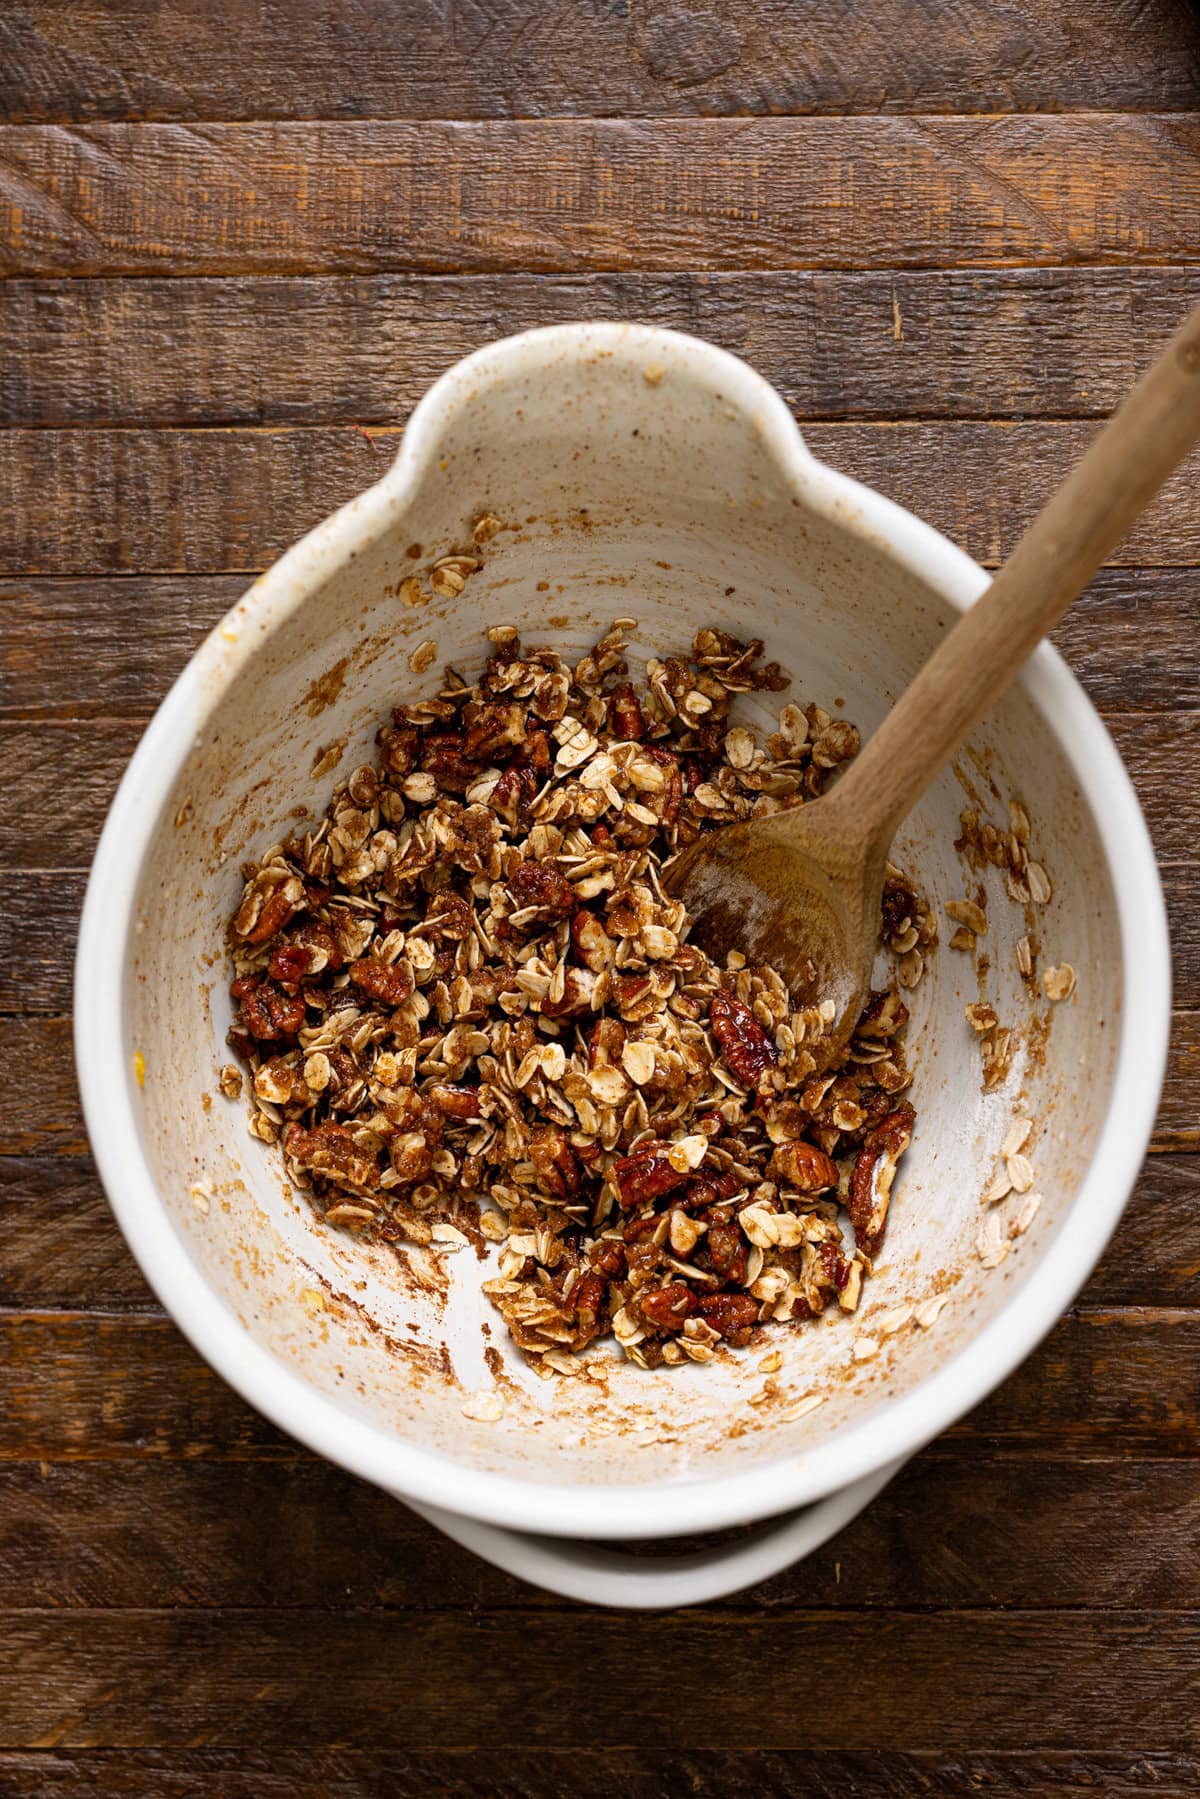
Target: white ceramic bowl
x,y
652,476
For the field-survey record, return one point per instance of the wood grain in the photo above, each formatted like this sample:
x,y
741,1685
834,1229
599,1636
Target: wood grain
x,y
231,235
92,1679
84,647
63,1250
645,1772
567,195
498,59
62,1247
102,501
78,649
946,1533
60,779
105,1388
313,350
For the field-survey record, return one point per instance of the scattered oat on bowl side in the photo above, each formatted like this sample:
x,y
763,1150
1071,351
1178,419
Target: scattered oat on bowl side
x,y
466,1001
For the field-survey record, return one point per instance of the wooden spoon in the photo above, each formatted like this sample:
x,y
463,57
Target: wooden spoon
x,y
801,889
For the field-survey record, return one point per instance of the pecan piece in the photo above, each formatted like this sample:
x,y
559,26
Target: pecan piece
x,y
576,994
730,1314
315,935
804,1166
646,1174
625,713
289,965
609,1259
330,1150
491,728
389,983
398,747
541,884
725,1249
747,1049
449,916
872,1177
270,1014
556,1163
587,1298
279,909
454,1101
606,1040
593,945
669,1308
443,756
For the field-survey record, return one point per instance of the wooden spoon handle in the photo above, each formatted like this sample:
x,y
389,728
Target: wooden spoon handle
x,y
1146,438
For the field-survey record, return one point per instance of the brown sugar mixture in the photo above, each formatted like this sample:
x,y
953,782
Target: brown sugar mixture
x,y
466,996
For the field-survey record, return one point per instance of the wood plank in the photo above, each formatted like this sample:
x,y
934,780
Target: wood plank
x,y
1130,639
112,60
62,1247
307,1679
90,648
63,1250
109,646
573,195
84,1387
320,350
94,502
947,1533
645,1772
59,781
40,1112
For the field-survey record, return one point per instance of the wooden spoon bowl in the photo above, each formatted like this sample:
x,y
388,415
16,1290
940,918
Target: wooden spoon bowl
x,y
801,888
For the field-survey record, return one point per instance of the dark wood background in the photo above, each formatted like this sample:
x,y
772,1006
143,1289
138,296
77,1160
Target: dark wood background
x,y
229,235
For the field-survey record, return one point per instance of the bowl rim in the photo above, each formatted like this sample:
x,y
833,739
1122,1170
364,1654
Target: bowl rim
x,y
892,1430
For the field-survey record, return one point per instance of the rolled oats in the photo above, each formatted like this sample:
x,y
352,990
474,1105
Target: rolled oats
x,y
1025,1217
1059,982
466,1000
802,1407
485,1407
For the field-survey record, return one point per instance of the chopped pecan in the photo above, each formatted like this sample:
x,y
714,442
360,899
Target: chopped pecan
x,y
625,719
747,1049
606,1040
449,916
883,1015
609,1260
646,1174
331,1150
443,756
388,982
731,1315
872,1177
270,1014
576,995
589,1297
804,1166
725,1249
492,727
541,884
455,1101
556,1163
398,746
289,965
668,1308
593,945
316,936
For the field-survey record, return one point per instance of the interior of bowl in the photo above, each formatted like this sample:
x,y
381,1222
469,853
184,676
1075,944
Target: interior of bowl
x,y
657,500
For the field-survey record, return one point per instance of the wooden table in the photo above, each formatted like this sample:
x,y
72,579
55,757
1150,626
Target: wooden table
x,y
239,241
